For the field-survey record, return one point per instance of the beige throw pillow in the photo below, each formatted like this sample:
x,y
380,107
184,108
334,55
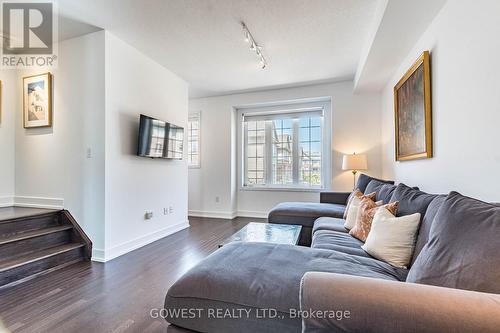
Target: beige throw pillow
x,y
356,194
366,212
392,239
352,212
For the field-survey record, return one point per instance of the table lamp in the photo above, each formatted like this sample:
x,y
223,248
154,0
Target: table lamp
x,y
354,162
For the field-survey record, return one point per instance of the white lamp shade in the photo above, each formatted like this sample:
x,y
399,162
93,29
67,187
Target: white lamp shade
x,y
354,162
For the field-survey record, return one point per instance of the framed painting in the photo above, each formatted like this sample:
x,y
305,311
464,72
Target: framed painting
x,y
412,111
37,100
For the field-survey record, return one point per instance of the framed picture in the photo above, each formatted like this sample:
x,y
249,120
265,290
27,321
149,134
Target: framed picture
x,y
37,100
412,111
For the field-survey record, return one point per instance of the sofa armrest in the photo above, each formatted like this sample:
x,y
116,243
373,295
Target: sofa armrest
x,y
339,198
375,305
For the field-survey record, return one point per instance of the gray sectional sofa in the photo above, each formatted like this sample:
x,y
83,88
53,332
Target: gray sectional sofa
x,y
333,285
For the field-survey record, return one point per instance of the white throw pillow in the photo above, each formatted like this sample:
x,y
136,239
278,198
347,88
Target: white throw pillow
x,y
392,239
352,212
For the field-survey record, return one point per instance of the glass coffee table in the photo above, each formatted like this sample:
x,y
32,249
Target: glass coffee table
x,y
267,233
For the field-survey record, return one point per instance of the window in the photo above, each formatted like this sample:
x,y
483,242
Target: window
x,y
284,149
194,141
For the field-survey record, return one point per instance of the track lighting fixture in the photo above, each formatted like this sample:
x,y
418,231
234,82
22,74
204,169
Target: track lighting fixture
x,y
254,46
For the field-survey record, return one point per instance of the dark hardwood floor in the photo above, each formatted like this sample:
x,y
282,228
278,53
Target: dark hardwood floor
x,y
117,296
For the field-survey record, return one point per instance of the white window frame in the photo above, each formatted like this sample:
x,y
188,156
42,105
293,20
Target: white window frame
x,y
279,108
194,116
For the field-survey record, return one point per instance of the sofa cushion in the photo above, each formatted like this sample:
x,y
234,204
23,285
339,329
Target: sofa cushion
x,y
329,223
463,247
352,207
364,180
338,241
260,276
425,225
411,201
367,210
374,186
392,239
385,193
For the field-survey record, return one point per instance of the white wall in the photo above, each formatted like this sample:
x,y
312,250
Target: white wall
x,y
9,108
135,84
52,163
463,40
100,87
355,126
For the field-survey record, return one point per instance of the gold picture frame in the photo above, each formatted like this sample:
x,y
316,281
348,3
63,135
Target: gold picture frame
x,y
412,112
37,100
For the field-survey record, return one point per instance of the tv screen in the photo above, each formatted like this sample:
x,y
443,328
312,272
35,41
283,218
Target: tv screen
x,y
159,139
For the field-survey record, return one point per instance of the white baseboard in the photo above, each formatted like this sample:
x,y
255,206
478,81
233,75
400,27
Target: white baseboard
x,y
98,255
108,254
228,215
39,202
250,213
214,215
6,201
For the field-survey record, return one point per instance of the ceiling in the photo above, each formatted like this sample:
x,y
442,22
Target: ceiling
x,y
389,44
304,41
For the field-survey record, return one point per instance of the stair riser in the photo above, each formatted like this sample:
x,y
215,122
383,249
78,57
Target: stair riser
x,y
33,269
12,228
35,244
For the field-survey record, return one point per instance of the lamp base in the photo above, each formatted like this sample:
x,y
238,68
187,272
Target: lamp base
x,y
354,179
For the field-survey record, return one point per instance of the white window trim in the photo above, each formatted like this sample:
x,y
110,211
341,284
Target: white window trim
x,y
326,173
197,116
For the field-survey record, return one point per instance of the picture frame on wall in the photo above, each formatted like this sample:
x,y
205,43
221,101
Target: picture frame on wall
x,y
412,112
37,100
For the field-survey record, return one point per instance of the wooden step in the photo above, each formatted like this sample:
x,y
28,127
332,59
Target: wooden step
x,y
24,224
34,233
33,244
20,268
35,240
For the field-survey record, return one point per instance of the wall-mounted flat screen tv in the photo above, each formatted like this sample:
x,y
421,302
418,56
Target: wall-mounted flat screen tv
x,y
160,139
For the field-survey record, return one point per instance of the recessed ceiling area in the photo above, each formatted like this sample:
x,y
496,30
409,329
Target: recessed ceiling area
x,y
304,41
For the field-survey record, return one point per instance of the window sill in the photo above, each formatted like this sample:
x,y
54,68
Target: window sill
x,y
283,189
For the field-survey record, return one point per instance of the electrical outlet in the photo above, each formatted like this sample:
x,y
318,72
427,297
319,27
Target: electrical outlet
x,y
170,210
165,211
217,199
148,215
89,152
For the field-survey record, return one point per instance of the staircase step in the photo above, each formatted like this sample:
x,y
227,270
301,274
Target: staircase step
x,y
34,243
34,233
35,240
26,266
29,223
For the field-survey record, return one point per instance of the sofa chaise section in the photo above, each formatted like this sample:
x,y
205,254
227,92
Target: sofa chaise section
x,y
255,276
304,214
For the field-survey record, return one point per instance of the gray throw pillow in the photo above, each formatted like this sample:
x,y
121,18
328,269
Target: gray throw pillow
x,y
385,193
411,201
364,180
426,225
463,247
374,186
